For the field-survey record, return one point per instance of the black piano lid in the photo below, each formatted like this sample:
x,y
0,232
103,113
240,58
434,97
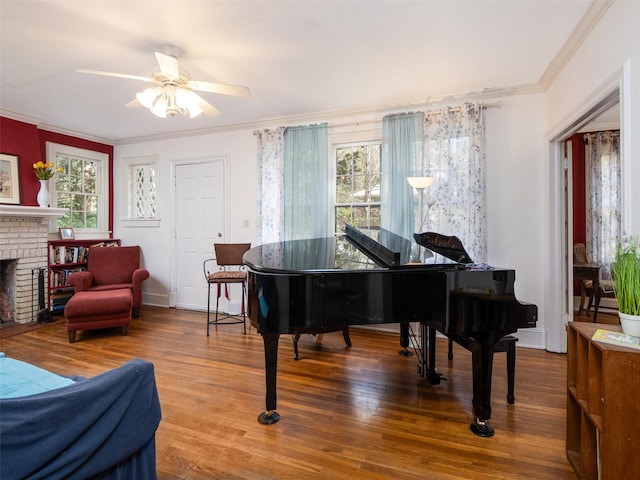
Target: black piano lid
x,y
447,246
390,249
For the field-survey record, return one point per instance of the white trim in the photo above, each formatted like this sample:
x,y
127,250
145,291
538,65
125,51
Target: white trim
x,y
102,187
560,259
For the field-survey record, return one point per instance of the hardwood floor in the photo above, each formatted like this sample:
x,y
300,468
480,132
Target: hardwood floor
x,y
347,413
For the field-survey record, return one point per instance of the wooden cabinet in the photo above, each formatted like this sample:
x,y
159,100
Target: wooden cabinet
x,y
603,405
66,257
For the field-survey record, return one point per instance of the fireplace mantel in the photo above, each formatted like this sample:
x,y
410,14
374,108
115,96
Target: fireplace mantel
x,y
31,212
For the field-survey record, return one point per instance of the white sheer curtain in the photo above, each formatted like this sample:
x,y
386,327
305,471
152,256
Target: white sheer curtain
x,y
401,158
270,184
604,198
454,154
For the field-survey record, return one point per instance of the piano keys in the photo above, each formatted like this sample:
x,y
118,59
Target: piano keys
x,y
371,277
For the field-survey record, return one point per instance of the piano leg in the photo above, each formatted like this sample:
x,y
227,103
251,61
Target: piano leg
x,y
270,416
482,358
404,340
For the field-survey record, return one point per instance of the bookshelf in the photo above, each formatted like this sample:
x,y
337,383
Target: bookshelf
x,y
603,405
66,257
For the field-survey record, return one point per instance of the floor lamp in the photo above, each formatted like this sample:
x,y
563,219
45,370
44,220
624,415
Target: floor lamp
x,y
420,183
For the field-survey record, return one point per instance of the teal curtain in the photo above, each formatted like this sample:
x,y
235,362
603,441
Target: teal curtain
x,y
306,182
401,158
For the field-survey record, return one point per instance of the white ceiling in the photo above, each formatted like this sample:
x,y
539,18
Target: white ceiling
x,y
297,57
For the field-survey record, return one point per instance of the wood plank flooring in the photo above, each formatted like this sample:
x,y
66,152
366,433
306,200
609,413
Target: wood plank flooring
x,y
347,413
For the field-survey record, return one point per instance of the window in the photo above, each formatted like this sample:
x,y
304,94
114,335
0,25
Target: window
x,y
81,187
143,193
142,198
357,185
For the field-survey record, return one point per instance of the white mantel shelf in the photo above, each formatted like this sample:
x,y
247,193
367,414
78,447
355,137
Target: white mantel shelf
x,y
32,212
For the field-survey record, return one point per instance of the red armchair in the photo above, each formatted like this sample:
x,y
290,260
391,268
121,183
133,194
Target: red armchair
x,y
111,268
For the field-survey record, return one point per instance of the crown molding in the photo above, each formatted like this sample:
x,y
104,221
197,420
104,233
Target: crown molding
x,y
587,23
329,115
39,123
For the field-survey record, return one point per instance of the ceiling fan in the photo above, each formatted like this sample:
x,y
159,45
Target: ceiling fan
x,y
174,93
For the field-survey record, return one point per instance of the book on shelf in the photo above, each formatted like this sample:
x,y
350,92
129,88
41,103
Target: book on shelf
x,y
616,338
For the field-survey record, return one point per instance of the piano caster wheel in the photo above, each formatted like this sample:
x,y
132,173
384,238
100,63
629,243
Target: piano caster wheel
x,y
482,429
269,417
405,353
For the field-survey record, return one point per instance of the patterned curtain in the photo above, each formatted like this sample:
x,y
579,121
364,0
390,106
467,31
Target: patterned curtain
x,y
270,184
306,182
454,154
604,198
401,158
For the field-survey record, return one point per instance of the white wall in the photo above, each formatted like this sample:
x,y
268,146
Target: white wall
x,y
156,242
613,46
515,186
610,56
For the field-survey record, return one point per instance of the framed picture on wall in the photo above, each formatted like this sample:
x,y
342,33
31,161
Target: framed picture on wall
x,y
9,179
67,234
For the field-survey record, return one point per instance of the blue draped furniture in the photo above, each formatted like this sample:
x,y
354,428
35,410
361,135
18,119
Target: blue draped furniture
x,y
75,428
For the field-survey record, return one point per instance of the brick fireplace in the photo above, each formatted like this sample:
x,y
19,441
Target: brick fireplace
x,y
24,232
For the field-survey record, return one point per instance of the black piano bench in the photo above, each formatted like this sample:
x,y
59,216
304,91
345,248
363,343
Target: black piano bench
x,y
505,344
319,331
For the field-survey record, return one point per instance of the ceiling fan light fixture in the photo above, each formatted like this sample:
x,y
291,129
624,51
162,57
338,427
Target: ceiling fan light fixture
x,y
160,104
148,97
186,100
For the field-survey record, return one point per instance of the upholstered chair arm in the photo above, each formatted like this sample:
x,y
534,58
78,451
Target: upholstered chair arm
x,y
80,280
139,275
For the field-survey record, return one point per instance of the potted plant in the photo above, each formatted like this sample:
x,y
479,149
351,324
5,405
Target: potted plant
x,y
626,274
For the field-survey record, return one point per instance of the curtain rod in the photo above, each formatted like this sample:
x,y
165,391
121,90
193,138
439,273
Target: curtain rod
x,y
433,112
367,122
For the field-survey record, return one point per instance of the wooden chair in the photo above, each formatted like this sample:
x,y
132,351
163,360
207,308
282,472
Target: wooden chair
x,y
231,271
580,257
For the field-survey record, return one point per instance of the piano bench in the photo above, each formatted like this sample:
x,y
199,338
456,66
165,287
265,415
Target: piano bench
x,y
505,344
319,331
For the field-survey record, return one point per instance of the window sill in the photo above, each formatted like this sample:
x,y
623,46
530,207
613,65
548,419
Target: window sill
x,y
141,222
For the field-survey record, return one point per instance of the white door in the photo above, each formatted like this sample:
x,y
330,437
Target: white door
x,y
200,221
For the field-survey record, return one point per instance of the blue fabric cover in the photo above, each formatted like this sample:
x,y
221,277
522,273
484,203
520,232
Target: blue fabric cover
x,y
20,379
98,428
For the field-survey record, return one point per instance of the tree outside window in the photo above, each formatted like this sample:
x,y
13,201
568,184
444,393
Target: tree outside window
x,y
357,186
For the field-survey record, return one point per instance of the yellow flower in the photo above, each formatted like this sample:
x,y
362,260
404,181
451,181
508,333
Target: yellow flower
x,y
44,171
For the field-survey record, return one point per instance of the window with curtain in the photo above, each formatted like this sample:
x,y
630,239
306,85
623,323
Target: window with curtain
x,y
447,144
454,154
270,184
306,182
603,178
401,158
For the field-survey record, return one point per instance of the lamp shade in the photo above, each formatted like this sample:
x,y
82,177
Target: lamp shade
x,y
420,182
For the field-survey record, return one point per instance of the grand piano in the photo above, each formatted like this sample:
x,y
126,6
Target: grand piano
x,y
372,276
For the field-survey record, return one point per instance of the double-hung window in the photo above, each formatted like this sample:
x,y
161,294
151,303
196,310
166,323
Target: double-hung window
x,y
81,187
357,194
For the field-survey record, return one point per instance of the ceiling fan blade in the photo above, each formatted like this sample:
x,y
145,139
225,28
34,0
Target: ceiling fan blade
x,y
219,88
168,65
119,75
134,103
208,109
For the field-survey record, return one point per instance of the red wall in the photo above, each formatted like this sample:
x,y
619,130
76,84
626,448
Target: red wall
x,y
28,142
578,179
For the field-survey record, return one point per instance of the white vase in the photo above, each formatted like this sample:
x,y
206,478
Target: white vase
x,y
43,193
630,324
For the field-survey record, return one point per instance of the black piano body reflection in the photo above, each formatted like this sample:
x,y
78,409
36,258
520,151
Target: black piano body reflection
x,y
367,278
